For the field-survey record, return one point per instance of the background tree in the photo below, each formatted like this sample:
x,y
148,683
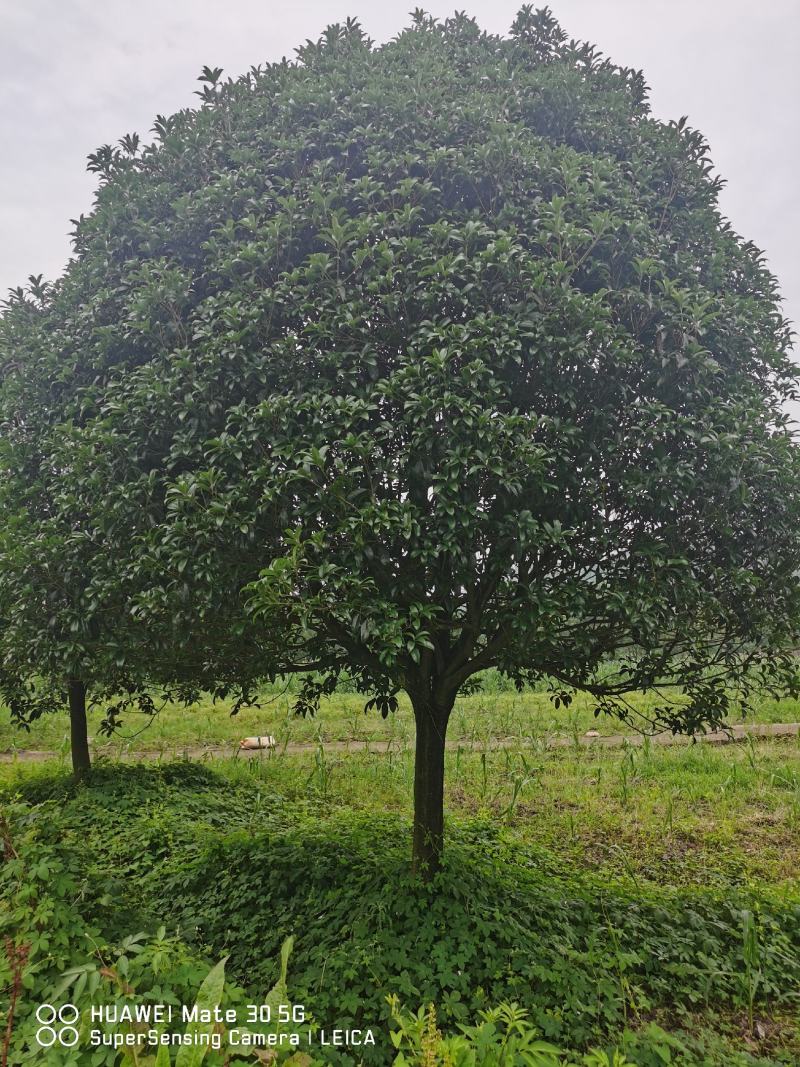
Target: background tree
x,y
45,620
68,634
448,361
56,644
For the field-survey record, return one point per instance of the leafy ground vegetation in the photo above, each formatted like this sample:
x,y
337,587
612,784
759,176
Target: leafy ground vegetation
x,y
637,900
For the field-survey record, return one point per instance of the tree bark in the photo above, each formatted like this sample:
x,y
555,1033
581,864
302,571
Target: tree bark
x,y
79,739
431,722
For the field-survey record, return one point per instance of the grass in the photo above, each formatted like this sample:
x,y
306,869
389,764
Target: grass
x,y
674,816
526,718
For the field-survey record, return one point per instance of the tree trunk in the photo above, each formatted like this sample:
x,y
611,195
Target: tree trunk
x,y
431,721
79,740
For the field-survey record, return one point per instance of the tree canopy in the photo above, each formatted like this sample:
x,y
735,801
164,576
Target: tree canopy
x,y
412,361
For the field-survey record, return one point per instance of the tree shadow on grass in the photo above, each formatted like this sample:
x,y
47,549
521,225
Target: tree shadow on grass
x,y
53,782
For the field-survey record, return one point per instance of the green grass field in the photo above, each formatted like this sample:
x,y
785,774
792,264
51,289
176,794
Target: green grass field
x,y
527,717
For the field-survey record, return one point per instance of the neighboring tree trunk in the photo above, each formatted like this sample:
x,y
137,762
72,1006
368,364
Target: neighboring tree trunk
x,y
79,739
431,721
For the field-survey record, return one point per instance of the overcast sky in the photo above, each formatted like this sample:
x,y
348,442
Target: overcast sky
x,y
78,73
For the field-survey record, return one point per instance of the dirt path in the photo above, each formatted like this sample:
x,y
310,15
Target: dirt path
x,y
200,752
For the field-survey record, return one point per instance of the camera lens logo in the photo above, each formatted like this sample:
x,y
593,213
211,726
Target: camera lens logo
x,y
57,1025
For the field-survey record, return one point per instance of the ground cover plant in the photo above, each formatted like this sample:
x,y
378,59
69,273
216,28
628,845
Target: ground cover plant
x,y
609,897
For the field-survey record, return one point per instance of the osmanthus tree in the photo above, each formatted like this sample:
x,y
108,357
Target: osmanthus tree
x,y
42,562
68,634
447,361
56,647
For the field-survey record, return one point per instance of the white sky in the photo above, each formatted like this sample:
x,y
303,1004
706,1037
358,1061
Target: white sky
x,y
75,74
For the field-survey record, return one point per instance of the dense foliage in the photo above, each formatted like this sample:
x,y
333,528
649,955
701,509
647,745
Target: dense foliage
x,y
411,361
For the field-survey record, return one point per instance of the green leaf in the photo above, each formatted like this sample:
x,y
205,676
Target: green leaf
x,y
208,998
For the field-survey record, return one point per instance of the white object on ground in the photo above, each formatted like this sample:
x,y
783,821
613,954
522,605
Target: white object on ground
x,y
267,741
